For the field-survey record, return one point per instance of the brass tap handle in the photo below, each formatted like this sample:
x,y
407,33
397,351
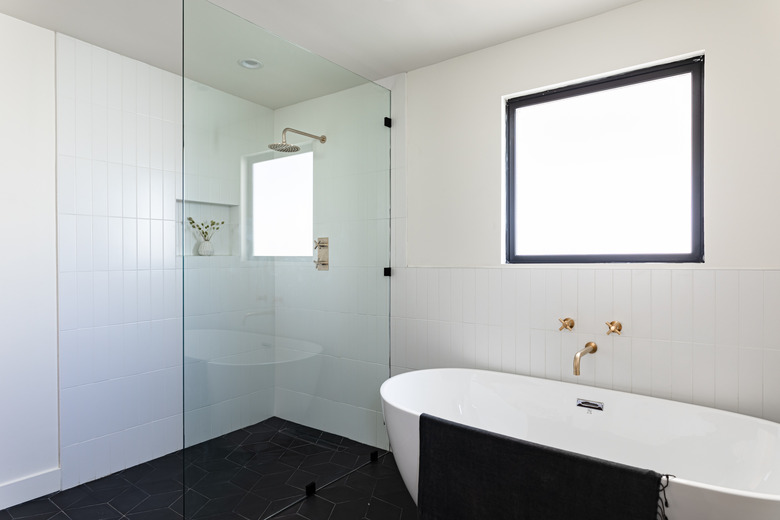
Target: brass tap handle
x,y
614,326
566,323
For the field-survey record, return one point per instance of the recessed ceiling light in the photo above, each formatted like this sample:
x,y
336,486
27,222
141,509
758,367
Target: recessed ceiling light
x,y
250,63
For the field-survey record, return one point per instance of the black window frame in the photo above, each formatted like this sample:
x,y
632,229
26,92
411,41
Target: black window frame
x,y
694,66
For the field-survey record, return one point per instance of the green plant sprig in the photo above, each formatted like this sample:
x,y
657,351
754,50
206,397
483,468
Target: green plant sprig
x,y
205,229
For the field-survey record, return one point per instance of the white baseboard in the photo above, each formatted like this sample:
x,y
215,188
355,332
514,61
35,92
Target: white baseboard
x,y
28,488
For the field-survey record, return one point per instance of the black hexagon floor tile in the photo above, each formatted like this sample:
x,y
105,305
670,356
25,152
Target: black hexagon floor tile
x,y
254,473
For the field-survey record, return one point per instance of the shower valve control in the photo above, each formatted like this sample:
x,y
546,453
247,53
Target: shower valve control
x,y
321,246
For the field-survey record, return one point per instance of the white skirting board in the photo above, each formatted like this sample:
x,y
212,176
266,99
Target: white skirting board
x,y
28,488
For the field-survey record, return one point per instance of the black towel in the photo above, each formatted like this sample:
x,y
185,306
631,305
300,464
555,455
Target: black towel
x,y
472,474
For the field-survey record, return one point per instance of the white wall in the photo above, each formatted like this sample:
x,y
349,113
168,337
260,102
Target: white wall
x,y
119,160
29,452
695,333
455,126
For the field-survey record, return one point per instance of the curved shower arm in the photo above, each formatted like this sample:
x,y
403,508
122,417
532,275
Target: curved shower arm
x,y
320,138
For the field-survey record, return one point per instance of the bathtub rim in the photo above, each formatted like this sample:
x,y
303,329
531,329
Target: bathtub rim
x,y
693,483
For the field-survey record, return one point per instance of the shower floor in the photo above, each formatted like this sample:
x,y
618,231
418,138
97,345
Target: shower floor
x,y
253,473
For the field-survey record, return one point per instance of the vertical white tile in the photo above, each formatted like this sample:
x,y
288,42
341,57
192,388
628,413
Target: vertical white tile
x,y
771,309
143,88
83,71
727,308
156,145
482,296
129,87
144,295
129,138
143,194
130,297
704,306
398,292
83,136
100,243
552,355
398,342
83,243
155,93
537,300
586,320
621,363
100,300
494,297
570,344
445,294
115,236
169,250
682,305
641,304
84,299
552,298
129,192
114,148
129,244
469,354
99,133
642,365
156,194
771,382
523,315
66,184
66,66
99,76
83,186
569,293
421,293
662,304
433,294
143,141
157,310
66,246
115,186
751,383
469,285
509,299
662,368
156,244
727,378
482,346
169,196
751,309
523,351
703,374
621,298
537,352
682,371
602,361
66,127
603,298
115,297
170,148
99,188
494,347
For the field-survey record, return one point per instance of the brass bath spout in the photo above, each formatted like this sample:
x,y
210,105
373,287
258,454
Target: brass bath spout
x,y
590,348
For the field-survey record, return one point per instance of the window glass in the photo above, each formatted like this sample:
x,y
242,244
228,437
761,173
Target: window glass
x,y
607,171
282,206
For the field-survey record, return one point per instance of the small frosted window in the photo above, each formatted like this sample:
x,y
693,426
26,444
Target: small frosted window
x,y
608,171
282,206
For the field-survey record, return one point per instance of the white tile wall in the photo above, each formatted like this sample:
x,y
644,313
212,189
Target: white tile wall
x,y
697,336
120,364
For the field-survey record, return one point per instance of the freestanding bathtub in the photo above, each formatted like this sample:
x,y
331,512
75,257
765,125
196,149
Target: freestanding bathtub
x,y
727,466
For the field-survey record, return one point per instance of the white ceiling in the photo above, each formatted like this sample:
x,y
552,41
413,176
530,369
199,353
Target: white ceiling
x,y
374,38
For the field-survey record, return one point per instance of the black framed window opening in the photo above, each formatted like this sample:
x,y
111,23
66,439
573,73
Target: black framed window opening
x,y
599,172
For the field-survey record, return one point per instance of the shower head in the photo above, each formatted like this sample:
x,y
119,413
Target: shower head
x,y
289,148
284,147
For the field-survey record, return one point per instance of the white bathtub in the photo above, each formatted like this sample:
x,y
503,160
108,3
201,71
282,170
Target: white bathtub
x,y
727,466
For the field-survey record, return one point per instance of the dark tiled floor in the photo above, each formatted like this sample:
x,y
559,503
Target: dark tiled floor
x,y
252,473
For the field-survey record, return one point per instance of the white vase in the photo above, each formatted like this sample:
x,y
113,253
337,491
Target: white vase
x,y
206,248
